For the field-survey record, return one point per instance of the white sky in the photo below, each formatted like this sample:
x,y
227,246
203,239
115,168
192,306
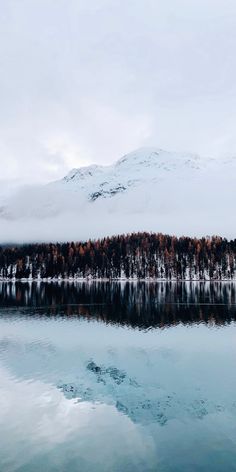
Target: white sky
x,y
85,81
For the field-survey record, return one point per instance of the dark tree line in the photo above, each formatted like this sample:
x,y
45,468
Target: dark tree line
x,y
137,255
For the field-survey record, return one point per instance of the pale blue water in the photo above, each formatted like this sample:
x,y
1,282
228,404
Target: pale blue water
x,y
142,379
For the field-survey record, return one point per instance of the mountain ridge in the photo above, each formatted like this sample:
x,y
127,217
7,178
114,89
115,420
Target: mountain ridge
x,y
147,190
130,170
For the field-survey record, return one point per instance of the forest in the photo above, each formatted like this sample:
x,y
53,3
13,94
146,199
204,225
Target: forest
x,y
132,256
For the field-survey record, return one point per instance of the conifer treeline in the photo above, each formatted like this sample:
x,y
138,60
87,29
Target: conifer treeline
x,y
137,255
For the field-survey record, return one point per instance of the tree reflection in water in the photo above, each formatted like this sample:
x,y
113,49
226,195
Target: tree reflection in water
x,y
139,305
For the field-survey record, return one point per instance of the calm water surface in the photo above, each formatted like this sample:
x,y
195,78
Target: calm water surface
x,y
117,377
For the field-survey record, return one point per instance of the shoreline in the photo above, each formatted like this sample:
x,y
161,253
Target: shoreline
x,y
112,280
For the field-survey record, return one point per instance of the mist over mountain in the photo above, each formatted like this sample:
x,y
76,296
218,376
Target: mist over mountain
x,y
147,190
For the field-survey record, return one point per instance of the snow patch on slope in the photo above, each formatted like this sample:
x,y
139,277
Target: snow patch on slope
x,y
146,165
148,189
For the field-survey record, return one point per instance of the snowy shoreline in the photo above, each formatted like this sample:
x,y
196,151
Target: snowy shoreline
x,y
112,280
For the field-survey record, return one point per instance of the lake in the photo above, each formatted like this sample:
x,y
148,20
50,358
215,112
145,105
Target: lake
x,y
117,377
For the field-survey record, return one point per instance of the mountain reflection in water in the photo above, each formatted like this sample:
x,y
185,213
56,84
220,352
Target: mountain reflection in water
x,y
90,381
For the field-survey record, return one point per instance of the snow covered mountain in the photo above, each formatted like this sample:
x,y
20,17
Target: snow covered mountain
x,y
149,189
144,165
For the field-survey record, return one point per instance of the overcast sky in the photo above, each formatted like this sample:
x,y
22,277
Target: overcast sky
x,y
85,81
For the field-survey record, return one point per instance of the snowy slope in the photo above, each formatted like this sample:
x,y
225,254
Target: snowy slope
x,y
146,165
149,189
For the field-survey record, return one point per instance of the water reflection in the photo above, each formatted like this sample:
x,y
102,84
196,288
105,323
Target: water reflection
x,y
41,429
140,304
81,390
